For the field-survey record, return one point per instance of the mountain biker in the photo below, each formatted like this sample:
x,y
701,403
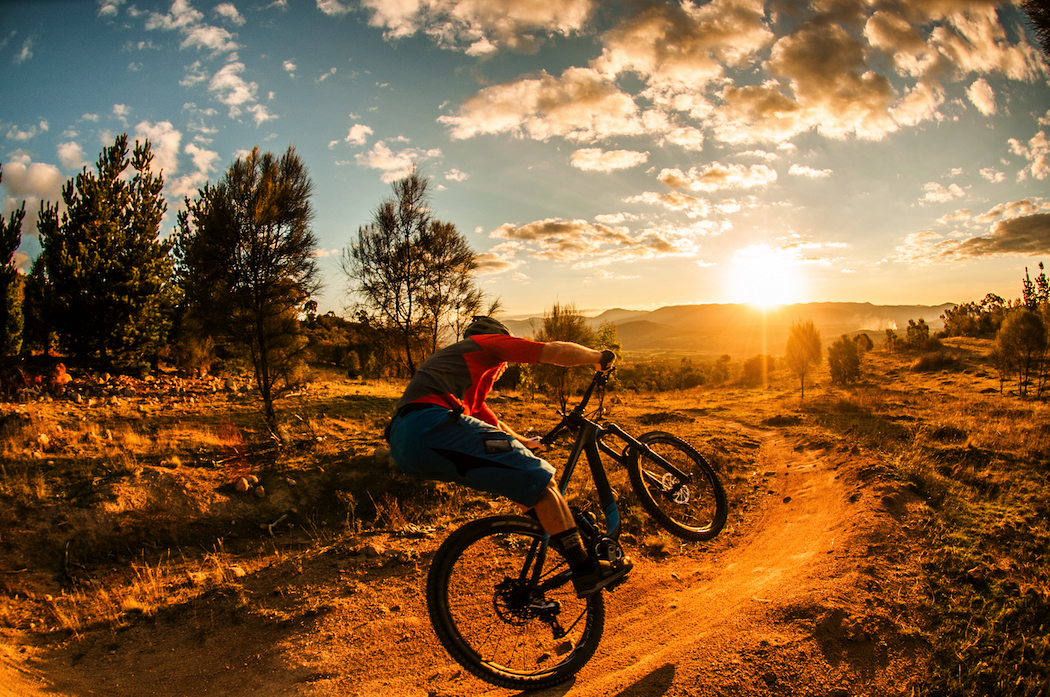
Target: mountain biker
x,y
442,429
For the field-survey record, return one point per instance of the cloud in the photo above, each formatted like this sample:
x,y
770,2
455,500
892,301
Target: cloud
x,y
993,175
21,135
289,67
494,262
358,134
394,165
33,183
675,201
579,106
476,27
109,8
228,87
982,96
26,52
938,193
1019,228
455,175
184,19
804,171
586,244
230,13
717,176
680,49
597,160
1037,152
829,76
71,155
204,162
164,144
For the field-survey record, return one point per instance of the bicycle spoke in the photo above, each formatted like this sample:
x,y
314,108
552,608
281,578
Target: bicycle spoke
x,y
506,629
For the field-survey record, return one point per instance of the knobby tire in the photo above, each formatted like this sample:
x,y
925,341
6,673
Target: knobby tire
x,y
696,511
474,597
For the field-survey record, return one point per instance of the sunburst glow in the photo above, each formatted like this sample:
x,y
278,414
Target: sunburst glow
x,y
764,276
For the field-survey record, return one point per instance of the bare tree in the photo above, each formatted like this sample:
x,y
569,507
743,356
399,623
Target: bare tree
x,y
412,274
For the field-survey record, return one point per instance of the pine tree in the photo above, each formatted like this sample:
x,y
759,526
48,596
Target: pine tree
x,y
109,290
245,253
10,284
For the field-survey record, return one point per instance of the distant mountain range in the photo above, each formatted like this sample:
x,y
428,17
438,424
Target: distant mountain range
x,y
744,330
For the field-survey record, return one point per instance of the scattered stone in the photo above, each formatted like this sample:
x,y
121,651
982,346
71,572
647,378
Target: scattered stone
x,y
373,551
241,485
787,499
43,440
236,571
252,479
259,492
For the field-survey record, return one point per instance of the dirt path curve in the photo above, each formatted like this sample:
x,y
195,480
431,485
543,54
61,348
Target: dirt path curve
x,y
781,609
805,602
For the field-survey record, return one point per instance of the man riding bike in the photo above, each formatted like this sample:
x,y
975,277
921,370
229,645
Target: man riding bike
x,y
442,429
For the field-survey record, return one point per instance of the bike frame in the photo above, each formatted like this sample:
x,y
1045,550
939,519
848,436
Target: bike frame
x,y
588,443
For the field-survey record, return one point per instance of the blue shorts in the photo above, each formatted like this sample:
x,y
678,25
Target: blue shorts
x,y
435,443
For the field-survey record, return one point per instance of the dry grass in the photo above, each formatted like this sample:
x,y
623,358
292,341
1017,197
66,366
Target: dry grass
x,y
69,475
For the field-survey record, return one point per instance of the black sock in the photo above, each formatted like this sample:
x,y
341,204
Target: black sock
x,y
570,544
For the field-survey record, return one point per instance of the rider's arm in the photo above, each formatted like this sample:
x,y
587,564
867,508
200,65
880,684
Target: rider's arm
x,y
566,353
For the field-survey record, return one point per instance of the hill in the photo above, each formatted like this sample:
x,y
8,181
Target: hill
x,y
745,330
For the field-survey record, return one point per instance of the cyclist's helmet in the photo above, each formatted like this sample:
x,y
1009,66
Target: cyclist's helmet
x,y
485,325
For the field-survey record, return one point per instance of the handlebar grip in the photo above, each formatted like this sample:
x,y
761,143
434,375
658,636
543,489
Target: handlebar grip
x,y
607,359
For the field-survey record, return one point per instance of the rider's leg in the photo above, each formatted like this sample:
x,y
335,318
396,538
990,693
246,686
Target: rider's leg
x,y
552,511
589,575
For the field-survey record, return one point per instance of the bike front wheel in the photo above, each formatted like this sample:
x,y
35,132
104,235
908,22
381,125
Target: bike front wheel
x,y
694,508
503,606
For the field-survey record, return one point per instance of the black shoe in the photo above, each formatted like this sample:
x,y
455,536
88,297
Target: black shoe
x,y
602,575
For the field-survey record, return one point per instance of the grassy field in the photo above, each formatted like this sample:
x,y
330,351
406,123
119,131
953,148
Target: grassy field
x,y
121,499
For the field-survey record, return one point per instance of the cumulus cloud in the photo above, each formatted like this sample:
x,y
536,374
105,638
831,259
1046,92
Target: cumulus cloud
x,y
580,106
1036,151
677,49
1020,228
982,96
938,193
993,175
394,165
23,134
164,144
598,160
196,33
804,171
227,11
476,27
358,134
585,244
204,162
717,176
33,183
691,206
71,155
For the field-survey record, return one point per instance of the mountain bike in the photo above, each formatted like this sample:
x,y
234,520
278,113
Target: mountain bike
x,y
500,597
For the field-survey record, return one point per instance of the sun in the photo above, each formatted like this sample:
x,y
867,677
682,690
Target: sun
x,y
765,277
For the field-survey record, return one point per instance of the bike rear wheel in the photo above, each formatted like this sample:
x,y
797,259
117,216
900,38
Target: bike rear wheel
x,y
499,620
694,510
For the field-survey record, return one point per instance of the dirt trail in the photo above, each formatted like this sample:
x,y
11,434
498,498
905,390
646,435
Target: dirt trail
x,y
805,603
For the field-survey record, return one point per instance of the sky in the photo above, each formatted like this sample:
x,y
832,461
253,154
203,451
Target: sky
x,y
604,154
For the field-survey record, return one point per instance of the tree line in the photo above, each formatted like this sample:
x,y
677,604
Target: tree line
x,y
236,278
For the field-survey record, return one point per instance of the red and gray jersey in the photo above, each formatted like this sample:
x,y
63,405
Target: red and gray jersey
x,y
461,375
